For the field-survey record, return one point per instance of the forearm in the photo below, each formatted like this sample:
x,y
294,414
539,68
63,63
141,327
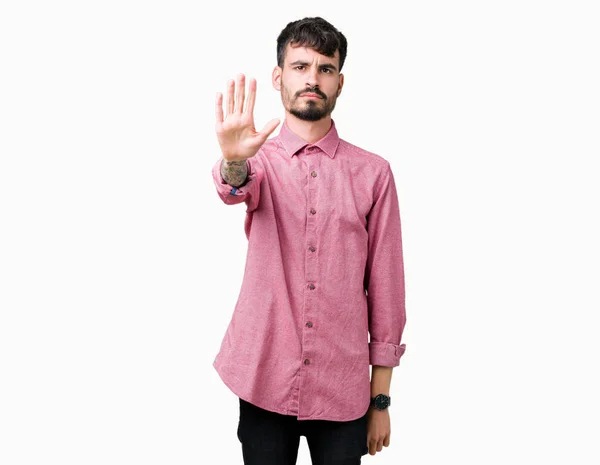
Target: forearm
x,y
381,379
234,172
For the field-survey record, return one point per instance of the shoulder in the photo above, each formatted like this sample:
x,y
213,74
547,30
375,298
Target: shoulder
x,y
360,154
373,166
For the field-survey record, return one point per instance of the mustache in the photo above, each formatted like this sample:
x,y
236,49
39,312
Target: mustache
x,y
312,91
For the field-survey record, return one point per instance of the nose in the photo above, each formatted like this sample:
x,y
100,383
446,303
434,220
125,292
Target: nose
x,y
311,78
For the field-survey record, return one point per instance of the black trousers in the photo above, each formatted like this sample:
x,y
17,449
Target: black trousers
x,y
270,438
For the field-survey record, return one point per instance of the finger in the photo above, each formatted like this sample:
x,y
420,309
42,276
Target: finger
x,y
379,446
372,447
386,441
269,127
230,87
241,91
219,107
251,96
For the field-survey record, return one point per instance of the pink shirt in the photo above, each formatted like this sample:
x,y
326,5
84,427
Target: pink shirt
x,y
323,226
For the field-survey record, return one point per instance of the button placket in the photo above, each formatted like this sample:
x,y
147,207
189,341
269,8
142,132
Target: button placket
x,y
311,269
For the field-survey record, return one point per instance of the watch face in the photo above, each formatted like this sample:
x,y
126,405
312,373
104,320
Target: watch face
x,y
381,401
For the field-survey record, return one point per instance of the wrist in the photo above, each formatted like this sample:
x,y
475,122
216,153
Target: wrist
x,y
234,161
380,401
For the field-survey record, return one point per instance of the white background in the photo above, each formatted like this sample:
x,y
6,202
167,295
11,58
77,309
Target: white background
x,y
120,266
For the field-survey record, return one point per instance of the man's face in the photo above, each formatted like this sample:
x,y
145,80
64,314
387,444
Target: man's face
x,y
307,71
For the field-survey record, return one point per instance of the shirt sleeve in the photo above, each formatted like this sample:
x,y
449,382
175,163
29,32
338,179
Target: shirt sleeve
x,y
384,275
249,192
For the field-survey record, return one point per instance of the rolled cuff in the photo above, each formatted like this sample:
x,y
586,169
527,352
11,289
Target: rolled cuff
x,y
385,354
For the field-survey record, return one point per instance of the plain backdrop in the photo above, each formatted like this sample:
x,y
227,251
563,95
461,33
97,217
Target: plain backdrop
x,y
120,266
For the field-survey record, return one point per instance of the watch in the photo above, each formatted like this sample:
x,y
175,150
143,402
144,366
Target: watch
x,y
381,401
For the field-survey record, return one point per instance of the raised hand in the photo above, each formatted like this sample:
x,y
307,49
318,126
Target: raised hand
x,y
237,136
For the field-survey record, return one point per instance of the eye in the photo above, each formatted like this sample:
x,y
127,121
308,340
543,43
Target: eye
x,y
324,69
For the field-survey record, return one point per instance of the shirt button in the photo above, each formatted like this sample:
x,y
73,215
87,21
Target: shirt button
x,y
309,324
314,174
311,286
313,211
307,362
310,149
311,248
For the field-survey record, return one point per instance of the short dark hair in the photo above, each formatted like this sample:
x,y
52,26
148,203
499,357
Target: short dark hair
x,y
315,33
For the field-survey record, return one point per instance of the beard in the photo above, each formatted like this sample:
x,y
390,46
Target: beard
x,y
308,109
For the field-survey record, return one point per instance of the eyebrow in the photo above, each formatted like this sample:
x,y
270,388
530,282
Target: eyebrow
x,y
306,63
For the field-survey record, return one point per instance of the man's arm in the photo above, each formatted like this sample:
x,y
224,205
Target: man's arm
x,y
239,140
384,278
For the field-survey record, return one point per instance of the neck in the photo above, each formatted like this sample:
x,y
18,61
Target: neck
x,y
310,131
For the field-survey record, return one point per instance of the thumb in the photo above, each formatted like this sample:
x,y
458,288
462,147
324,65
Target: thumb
x,y
269,127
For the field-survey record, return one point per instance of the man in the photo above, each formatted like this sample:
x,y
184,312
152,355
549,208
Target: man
x,y
324,267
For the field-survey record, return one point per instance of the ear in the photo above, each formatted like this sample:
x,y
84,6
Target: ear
x,y
276,78
340,85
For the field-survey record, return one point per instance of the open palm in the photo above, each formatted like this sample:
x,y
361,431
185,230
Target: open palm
x,y
237,136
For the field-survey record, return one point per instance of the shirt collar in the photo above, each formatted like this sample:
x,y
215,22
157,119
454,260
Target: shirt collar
x,y
292,142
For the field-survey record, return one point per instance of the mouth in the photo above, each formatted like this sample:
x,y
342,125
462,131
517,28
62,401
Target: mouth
x,y
310,95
